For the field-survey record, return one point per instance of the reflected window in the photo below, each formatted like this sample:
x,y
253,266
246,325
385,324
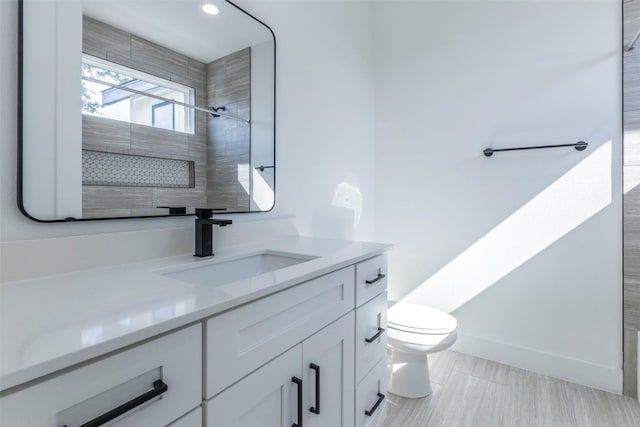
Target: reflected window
x,y
116,92
163,115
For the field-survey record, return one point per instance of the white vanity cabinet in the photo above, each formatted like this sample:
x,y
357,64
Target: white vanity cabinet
x,y
371,342
327,373
243,339
311,354
309,385
335,374
371,393
371,278
192,419
86,393
266,398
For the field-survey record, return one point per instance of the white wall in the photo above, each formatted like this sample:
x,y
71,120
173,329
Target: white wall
x,y
524,248
324,122
324,144
543,289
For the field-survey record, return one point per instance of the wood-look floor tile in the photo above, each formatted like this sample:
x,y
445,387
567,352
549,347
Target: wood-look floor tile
x,y
624,411
526,400
482,368
440,366
522,408
556,407
493,404
403,412
462,395
630,361
591,406
471,409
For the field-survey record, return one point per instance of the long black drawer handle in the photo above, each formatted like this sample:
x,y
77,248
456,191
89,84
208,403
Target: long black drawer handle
x,y
372,410
159,387
378,278
376,336
316,409
298,382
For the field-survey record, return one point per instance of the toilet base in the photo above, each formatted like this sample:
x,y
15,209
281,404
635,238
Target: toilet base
x,y
408,374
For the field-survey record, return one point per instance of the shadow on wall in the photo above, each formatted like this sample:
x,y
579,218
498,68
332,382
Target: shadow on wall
x,y
572,199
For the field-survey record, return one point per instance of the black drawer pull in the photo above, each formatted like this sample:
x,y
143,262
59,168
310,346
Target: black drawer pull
x,y
372,410
376,336
297,381
316,409
159,387
377,279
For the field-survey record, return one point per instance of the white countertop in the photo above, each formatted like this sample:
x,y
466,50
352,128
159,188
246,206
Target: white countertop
x,y
51,323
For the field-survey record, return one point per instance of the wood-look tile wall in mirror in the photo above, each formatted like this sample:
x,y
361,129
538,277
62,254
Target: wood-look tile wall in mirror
x,y
631,179
145,108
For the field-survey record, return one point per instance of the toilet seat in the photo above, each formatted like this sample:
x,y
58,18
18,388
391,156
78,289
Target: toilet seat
x,y
409,318
423,343
413,332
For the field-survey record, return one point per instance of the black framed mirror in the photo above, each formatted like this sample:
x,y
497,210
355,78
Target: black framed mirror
x,y
144,108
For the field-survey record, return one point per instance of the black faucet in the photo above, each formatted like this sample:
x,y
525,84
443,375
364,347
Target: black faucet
x,y
175,210
204,231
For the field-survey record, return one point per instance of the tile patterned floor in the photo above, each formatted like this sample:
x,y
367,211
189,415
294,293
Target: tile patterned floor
x,y
473,392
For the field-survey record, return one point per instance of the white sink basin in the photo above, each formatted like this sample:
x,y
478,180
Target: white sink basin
x,y
220,273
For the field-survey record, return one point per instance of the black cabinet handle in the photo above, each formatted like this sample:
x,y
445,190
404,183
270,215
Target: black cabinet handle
x,y
376,336
378,402
159,387
378,278
298,382
316,409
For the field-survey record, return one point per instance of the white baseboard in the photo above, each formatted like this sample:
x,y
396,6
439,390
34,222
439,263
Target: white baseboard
x,y
606,378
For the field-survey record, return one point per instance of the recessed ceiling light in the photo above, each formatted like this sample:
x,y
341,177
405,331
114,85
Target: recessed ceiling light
x,y
210,9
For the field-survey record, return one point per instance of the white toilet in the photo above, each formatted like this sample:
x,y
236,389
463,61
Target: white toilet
x,y
413,331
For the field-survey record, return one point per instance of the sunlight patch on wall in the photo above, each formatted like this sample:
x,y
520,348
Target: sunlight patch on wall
x,y
243,177
631,178
263,195
349,196
565,204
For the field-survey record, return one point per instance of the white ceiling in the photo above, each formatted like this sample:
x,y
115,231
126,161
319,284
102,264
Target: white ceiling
x,y
182,26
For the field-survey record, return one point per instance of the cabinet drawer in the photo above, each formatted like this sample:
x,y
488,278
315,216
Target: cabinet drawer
x,y
371,397
83,394
192,419
371,278
243,339
371,334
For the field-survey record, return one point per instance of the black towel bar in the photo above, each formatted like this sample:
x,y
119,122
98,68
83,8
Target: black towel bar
x,y
580,146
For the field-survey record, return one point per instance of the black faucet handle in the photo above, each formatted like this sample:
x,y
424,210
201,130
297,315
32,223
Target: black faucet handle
x,y
205,213
175,210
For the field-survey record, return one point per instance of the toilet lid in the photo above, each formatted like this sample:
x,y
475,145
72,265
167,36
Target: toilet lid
x,y
420,319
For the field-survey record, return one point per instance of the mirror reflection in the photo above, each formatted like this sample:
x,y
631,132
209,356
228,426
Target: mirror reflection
x,y
147,108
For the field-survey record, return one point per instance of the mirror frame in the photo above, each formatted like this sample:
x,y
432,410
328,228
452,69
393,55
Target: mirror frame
x,y
20,113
